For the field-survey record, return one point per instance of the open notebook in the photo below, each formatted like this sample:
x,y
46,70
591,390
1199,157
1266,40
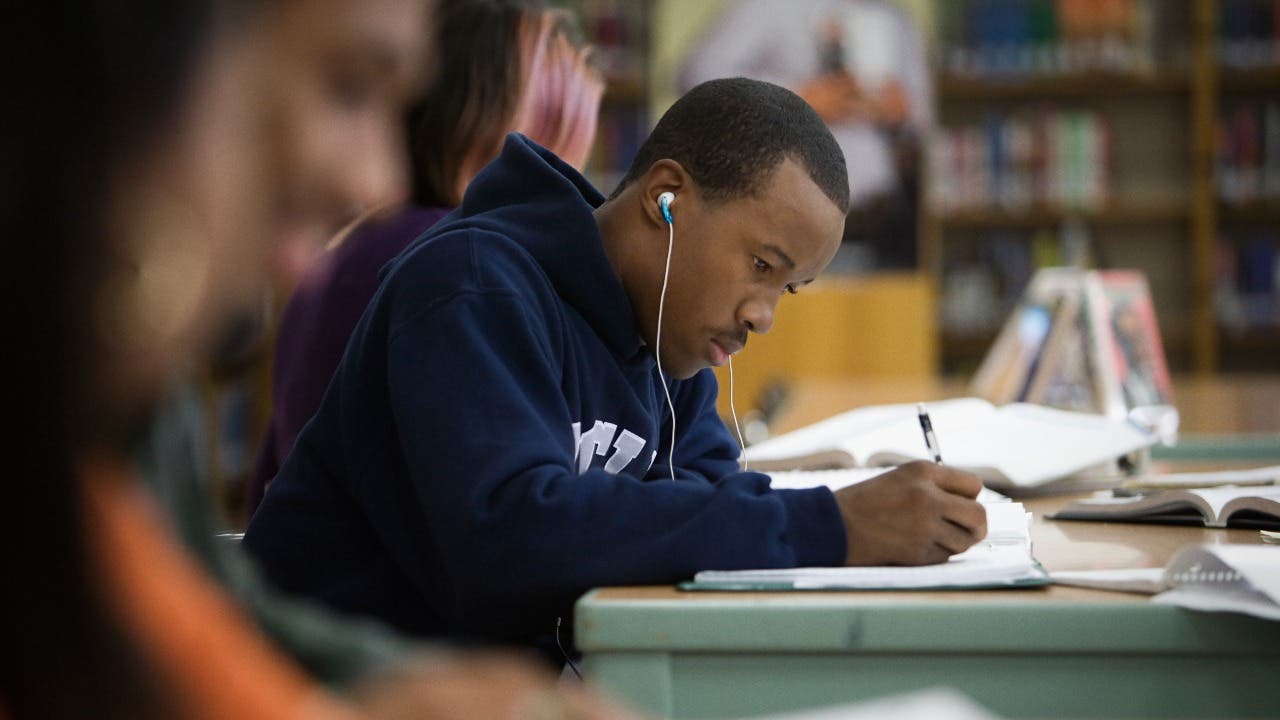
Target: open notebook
x,y
1011,447
1002,559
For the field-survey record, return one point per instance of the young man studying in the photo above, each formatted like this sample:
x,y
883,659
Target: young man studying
x,y
498,439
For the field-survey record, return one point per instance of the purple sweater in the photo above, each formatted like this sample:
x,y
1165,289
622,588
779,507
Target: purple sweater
x,y
316,324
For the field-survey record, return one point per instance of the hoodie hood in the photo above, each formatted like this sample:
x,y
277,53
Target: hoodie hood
x,y
547,207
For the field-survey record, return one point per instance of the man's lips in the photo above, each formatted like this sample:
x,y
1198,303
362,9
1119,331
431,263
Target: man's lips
x,y
722,349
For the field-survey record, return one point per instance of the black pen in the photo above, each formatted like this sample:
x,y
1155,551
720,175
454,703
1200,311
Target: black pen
x,y
926,426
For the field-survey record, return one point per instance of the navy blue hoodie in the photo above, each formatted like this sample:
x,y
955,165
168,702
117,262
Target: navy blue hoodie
x,y
493,443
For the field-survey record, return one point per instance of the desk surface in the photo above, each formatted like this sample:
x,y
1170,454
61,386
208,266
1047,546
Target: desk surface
x,y
1037,652
1058,545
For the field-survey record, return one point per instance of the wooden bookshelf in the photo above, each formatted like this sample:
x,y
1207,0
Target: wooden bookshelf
x,y
619,31
1164,143
1253,347
1260,80
1075,85
1255,339
1251,212
1168,211
964,349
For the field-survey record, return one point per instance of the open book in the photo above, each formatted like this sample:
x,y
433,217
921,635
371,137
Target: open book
x,y
1225,578
1228,506
1010,447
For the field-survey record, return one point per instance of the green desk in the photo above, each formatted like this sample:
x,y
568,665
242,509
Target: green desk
x,y
1258,448
1047,652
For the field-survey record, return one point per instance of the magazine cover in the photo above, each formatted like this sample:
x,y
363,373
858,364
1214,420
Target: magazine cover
x,y
1139,354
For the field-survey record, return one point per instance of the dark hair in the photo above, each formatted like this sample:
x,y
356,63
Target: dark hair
x,y
468,100
125,66
731,134
493,55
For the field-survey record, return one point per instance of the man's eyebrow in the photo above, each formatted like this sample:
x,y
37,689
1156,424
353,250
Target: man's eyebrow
x,y
786,259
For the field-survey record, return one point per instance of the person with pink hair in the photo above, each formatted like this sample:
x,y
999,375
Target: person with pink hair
x,y
510,66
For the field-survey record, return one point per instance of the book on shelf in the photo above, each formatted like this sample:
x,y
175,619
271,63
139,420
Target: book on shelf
x,y
1248,154
978,293
1226,506
1212,578
1020,38
1249,34
1014,448
1022,161
1247,293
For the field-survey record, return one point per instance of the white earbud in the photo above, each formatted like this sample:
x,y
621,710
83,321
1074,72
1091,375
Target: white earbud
x,y
664,204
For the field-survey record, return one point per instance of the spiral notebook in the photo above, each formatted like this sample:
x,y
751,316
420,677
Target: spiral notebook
x,y
1213,578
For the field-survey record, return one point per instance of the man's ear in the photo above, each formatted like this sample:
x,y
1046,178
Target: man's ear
x,y
664,176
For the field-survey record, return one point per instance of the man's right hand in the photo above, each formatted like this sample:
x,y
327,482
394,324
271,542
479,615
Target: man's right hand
x,y
918,514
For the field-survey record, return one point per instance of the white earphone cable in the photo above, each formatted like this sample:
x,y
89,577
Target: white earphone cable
x,y
742,445
657,350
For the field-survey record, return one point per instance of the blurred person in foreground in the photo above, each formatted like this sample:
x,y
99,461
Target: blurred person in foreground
x,y
139,235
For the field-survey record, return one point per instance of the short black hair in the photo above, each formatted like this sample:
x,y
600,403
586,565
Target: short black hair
x,y
731,134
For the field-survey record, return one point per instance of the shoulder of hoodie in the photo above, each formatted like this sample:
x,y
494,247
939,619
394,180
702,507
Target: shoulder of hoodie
x,y
464,261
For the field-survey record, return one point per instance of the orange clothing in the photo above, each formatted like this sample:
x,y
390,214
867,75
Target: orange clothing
x,y
203,650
